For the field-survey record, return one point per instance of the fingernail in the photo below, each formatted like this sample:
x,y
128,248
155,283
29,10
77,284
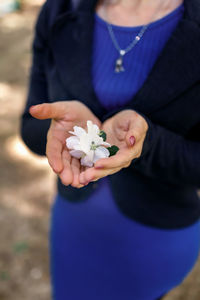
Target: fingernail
x,y
132,140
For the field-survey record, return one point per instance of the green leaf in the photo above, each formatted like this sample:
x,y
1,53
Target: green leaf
x,y
4,276
20,247
103,135
113,150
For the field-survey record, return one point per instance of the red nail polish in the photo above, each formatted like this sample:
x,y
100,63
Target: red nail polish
x,y
132,140
98,167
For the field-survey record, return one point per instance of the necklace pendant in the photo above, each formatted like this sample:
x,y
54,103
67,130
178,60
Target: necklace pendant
x,y
119,65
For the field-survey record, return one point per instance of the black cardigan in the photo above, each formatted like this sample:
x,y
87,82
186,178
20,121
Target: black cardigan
x,y
160,187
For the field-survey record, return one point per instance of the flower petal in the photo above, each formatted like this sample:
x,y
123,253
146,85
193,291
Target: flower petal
x,y
78,131
87,160
100,152
72,141
97,140
89,126
76,153
93,129
78,148
86,163
106,144
85,143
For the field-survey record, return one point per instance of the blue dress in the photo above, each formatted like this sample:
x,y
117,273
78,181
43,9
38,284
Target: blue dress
x,y
97,253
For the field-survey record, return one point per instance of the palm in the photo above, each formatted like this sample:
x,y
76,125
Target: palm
x,y
124,130
64,115
116,135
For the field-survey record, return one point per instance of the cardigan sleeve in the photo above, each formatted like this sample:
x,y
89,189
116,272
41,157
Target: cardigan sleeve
x,y
34,131
169,157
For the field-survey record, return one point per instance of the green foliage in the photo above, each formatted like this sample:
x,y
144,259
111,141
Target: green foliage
x,y
20,247
18,4
103,135
4,276
113,150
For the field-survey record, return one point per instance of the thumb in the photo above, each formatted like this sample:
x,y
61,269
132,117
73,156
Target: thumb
x,y
131,140
44,111
131,135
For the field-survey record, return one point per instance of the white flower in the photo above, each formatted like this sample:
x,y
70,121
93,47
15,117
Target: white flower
x,y
87,146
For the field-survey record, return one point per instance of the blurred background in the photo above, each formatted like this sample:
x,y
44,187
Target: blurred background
x,y
27,185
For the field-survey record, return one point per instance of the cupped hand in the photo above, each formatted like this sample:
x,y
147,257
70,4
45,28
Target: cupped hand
x,y
64,115
127,130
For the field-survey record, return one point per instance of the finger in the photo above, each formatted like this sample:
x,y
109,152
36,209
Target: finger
x,y
120,133
115,161
105,173
98,174
130,139
75,165
96,179
93,175
54,154
137,130
85,176
54,110
81,170
85,180
66,175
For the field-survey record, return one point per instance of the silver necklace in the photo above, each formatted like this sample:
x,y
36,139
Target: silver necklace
x,y
122,52
119,62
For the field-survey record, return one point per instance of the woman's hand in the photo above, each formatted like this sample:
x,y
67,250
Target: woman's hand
x,y
127,130
64,115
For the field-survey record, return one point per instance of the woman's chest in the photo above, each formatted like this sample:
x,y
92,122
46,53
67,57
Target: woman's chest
x,y
167,92
180,113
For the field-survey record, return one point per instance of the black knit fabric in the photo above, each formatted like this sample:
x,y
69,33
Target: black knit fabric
x,y
160,188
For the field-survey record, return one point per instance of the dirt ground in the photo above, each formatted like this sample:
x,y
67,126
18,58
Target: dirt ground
x,y
26,183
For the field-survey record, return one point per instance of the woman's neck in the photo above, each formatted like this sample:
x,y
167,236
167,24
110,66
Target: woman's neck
x,y
135,12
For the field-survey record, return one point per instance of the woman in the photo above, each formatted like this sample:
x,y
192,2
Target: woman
x,y
132,67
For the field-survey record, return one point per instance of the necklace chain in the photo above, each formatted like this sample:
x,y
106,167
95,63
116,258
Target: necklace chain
x,y
122,52
131,45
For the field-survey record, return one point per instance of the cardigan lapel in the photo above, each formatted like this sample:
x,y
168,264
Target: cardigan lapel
x,y
175,70
71,43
